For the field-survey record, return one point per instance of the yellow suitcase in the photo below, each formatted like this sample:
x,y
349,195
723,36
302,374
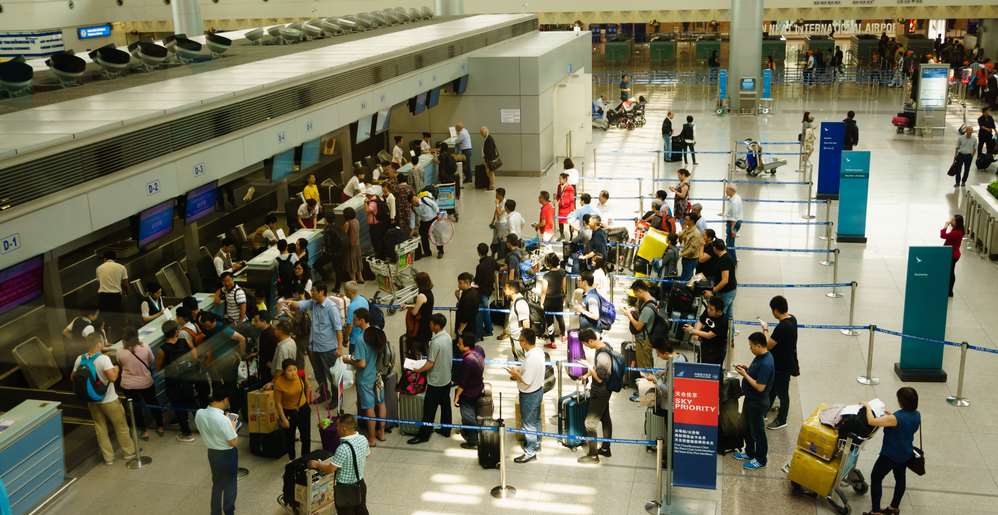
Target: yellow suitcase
x,y
653,245
817,438
813,473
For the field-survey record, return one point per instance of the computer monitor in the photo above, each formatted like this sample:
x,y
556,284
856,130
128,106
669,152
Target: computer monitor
x,y
747,84
417,104
281,165
460,84
383,121
433,98
200,202
154,223
363,129
310,153
21,284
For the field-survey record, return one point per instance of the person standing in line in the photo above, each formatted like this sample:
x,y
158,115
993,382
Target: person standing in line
x,y
518,319
757,382
897,450
681,198
466,319
136,362
357,301
566,204
641,321
852,131
554,284
599,395
179,390
688,136
351,229
490,156
438,380
712,332
370,397
348,463
285,348
667,137
692,242
291,399
417,317
732,218
108,409
966,146
470,385
326,337
515,221
529,379
425,211
112,284
464,147
952,233
625,87
218,431
782,344
485,279
232,297
545,224
985,131
588,306
725,283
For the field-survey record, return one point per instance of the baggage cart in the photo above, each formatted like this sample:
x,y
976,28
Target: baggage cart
x,y
396,280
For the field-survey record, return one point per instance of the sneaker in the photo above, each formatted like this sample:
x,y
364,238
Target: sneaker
x,y
741,456
469,445
188,438
605,452
109,462
753,465
129,457
550,345
589,460
416,440
635,397
776,425
523,458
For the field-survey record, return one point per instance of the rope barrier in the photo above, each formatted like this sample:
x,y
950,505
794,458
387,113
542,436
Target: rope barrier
x,y
521,431
773,249
768,222
740,285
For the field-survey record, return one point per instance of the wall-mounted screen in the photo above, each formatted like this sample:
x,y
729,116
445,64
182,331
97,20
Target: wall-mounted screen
x,y
460,84
383,121
747,84
433,97
932,87
363,129
310,153
20,284
95,31
200,202
155,222
282,165
417,104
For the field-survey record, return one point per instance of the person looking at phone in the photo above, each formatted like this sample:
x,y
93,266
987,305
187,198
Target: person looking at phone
x,y
757,382
712,332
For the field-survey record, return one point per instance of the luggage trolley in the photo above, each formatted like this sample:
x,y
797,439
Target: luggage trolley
x,y
846,474
315,497
396,279
753,162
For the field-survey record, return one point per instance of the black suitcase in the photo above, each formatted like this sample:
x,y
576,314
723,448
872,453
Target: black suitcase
x,y
630,355
488,445
268,445
481,177
677,150
294,474
984,161
730,429
498,318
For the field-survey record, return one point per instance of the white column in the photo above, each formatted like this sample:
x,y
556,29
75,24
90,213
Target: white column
x,y
745,47
187,17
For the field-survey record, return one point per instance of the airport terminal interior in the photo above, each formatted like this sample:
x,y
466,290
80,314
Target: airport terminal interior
x,y
842,158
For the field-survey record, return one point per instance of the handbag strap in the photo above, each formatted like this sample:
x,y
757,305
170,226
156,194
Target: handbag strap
x,y
353,455
151,374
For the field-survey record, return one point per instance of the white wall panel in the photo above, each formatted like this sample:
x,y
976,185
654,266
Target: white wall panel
x,y
45,229
131,195
211,164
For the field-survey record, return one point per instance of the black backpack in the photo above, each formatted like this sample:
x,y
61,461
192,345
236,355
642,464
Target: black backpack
x,y
382,213
285,274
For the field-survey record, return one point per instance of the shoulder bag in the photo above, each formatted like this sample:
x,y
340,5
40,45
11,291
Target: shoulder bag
x,y
352,495
917,462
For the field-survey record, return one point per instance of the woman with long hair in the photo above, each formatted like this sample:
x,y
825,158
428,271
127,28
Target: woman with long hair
x,y
293,411
897,449
417,315
354,263
554,284
952,234
137,362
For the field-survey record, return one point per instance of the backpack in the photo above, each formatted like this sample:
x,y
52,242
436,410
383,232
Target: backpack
x,y
333,240
607,312
615,381
526,272
659,328
536,317
386,362
86,383
376,316
381,210
285,274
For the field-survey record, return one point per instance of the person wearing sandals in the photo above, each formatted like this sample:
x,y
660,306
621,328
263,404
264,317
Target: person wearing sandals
x,y
291,396
136,363
896,451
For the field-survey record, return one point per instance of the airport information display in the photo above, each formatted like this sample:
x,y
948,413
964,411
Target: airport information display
x,y
200,202
155,222
310,153
284,165
363,129
932,88
383,121
20,284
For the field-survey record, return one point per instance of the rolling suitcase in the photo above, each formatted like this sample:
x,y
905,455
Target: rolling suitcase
x,y
498,317
488,445
575,353
817,438
656,422
629,352
813,473
391,400
678,144
481,177
730,428
268,445
484,407
572,409
411,408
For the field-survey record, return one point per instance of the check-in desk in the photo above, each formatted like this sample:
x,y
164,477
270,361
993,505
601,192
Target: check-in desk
x,y
260,272
31,453
981,218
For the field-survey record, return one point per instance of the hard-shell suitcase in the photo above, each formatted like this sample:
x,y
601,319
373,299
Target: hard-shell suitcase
x,y
411,408
484,408
572,409
576,352
498,318
817,438
630,355
813,473
268,445
678,144
488,445
730,427
391,399
481,177
655,424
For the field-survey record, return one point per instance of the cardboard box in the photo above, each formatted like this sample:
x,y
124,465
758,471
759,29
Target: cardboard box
x,y
262,411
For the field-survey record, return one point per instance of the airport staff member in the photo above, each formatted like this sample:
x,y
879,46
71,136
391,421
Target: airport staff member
x,y
223,259
464,147
218,432
112,283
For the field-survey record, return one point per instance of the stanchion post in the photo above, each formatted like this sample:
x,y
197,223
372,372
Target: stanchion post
x,y
852,310
641,196
653,506
834,294
560,374
868,379
139,461
959,400
808,215
828,254
503,490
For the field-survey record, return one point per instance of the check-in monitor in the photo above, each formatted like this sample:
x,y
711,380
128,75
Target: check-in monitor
x,y
383,121
363,129
154,223
747,84
310,153
433,98
200,202
417,104
20,284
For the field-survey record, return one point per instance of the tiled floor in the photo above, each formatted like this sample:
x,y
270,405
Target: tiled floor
x,y
910,199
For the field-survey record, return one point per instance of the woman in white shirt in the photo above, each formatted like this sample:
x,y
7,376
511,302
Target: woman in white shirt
x,y
355,186
137,362
398,153
424,146
600,280
573,174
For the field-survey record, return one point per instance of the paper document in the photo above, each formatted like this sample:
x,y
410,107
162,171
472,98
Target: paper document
x,y
879,408
280,234
413,364
453,132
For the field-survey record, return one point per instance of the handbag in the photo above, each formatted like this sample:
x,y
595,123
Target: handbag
x,y
954,169
352,495
495,164
917,462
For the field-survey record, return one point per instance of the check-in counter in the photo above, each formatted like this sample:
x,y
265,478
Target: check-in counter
x,y
31,453
981,218
260,272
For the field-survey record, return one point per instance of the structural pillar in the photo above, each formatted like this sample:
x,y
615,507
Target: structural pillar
x,y
745,47
346,153
187,17
449,7
55,309
192,249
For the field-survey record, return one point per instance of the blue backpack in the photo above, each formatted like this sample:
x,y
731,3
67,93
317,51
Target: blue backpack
x,y
377,317
615,381
86,384
527,274
607,312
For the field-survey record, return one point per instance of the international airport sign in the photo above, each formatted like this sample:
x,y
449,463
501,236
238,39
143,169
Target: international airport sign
x,y
696,405
841,27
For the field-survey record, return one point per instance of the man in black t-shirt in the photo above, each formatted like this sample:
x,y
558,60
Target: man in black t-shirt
x,y
725,283
485,279
782,345
466,318
712,331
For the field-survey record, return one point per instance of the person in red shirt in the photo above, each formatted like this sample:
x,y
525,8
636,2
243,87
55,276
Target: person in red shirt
x,y
952,234
545,226
566,204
